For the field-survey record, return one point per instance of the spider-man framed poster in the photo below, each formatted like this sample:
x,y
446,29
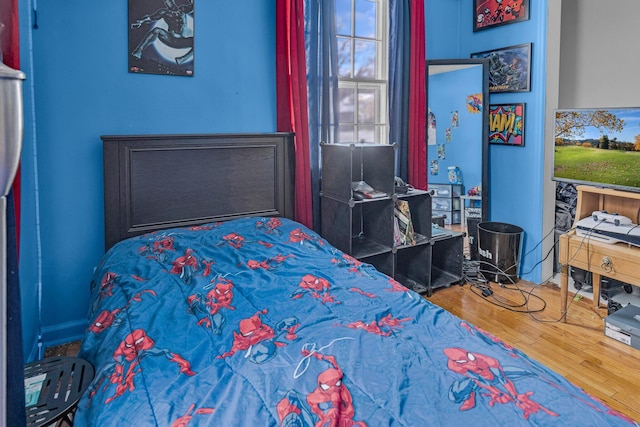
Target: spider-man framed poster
x,y
492,13
161,36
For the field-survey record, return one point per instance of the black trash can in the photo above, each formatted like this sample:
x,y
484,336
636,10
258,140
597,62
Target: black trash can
x,y
500,248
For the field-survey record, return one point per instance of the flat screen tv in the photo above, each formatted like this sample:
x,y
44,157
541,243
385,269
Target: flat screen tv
x,y
598,146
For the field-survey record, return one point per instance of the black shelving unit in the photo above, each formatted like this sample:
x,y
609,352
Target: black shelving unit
x,y
447,259
365,228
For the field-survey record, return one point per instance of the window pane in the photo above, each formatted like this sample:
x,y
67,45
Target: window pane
x,y
346,105
365,19
343,17
345,134
366,134
362,70
365,60
366,106
344,57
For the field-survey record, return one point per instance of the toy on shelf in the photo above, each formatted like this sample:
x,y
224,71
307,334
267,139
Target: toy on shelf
x,y
475,191
455,175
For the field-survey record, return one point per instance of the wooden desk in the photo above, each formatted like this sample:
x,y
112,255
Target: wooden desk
x,y
614,260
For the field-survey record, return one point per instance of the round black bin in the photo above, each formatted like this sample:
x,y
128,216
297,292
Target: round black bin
x,y
499,247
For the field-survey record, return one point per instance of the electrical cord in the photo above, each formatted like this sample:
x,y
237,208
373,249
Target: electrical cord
x,y
585,240
481,286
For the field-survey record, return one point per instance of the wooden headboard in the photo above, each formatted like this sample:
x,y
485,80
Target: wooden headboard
x,y
153,182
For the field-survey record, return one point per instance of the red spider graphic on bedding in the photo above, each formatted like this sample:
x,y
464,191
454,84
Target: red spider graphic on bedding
x,y
485,376
107,284
106,318
234,239
158,248
396,286
127,358
269,263
184,420
217,298
302,238
185,266
318,287
354,265
330,402
385,326
259,339
269,226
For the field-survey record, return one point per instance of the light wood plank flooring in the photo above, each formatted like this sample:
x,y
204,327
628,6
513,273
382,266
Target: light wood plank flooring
x,y
577,349
69,349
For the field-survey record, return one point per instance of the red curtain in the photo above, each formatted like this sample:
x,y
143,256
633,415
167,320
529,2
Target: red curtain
x,y
417,150
291,92
10,45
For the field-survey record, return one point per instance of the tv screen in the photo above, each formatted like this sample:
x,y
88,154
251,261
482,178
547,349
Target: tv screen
x,y
598,146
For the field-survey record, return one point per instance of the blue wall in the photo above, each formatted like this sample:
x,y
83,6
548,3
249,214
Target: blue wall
x,y
515,173
82,89
78,88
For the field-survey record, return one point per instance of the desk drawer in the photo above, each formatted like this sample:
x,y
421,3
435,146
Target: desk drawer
x,y
445,190
445,204
591,256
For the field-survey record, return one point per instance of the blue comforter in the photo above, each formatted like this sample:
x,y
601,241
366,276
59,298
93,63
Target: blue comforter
x,y
261,322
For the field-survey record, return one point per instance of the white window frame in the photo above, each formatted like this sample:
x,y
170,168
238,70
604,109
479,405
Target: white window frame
x,y
380,86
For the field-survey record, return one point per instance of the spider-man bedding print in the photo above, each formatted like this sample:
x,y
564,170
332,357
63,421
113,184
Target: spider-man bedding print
x,y
261,322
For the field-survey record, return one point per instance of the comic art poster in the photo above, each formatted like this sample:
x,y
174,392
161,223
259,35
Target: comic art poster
x,y
474,103
431,128
161,37
433,167
492,13
506,124
509,68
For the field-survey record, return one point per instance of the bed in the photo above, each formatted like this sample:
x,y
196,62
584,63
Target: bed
x,y
250,318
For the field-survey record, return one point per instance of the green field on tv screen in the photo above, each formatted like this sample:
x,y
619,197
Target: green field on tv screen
x,y
614,167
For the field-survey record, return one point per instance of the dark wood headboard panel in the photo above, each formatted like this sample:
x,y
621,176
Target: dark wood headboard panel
x,y
154,182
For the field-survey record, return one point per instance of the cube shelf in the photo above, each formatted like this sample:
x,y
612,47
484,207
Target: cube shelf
x,y
364,229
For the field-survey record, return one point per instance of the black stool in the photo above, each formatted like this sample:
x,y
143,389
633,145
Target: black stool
x,y
64,380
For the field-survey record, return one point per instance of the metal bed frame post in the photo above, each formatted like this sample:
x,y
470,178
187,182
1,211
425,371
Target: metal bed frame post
x,y
11,134
3,306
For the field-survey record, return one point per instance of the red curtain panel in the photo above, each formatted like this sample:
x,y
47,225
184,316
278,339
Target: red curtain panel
x,y
417,167
291,92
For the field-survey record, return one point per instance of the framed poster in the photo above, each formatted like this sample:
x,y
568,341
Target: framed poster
x,y
492,13
506,124
161,37
509,68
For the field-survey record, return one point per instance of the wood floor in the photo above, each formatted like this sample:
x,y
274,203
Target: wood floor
x,y
68,349
577,349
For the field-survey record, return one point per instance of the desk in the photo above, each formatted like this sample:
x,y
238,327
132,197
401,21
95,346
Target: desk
x,y
614,260
66,379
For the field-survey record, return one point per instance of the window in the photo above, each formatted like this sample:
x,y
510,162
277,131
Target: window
x,y
362,70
